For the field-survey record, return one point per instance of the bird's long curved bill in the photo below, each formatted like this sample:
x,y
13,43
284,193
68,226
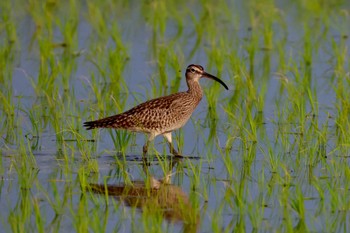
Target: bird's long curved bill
x,y
215,78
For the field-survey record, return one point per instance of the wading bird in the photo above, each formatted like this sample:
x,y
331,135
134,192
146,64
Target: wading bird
x,y
162,115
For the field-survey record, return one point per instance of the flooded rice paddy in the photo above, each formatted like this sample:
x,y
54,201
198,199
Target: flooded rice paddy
x,y
271,154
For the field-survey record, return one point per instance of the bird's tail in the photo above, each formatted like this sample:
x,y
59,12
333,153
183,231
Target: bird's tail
x,y
117,121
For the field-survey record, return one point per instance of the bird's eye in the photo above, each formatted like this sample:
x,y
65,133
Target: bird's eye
x,y
192,70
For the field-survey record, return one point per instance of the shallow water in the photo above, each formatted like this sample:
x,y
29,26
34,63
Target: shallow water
x,y
269,175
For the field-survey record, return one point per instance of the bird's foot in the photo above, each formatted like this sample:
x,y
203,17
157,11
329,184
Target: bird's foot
x,y
175,153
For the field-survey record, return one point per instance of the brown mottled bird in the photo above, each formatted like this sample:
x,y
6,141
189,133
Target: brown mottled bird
x,y
161,115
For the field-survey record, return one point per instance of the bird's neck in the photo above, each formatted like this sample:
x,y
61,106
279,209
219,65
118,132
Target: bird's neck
x,y
194,89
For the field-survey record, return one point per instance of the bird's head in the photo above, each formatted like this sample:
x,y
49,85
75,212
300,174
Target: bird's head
x,y
196,72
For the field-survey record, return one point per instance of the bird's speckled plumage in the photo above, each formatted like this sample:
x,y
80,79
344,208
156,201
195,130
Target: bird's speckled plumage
x,y
161,115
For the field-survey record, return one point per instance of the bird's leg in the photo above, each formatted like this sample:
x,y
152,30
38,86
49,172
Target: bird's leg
x,y
172,163
171,148
145,147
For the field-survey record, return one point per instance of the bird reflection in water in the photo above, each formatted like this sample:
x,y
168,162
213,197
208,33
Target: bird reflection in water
x,y
156,195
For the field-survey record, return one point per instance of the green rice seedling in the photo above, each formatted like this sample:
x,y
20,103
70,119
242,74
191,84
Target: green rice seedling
x,y
99,221
179,139
39,218
65,50
217,221
176,61
156,15
257,207
251,49
8,113
211,15
101,55
152,220
9,24
48,70
338,183
212,95
25,165
95,90
119,56
26,169
202,194
7,56
123,171
121,140
318,152
226,156
195,184
96,13
284,186
103,208
36,125
2,167
235,197
80,214
297,204
341,79
7,59
56,200
168,61
19,216
75,141
162,77
55,112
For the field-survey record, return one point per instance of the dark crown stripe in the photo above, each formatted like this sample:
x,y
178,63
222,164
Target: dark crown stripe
x,y
196,66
